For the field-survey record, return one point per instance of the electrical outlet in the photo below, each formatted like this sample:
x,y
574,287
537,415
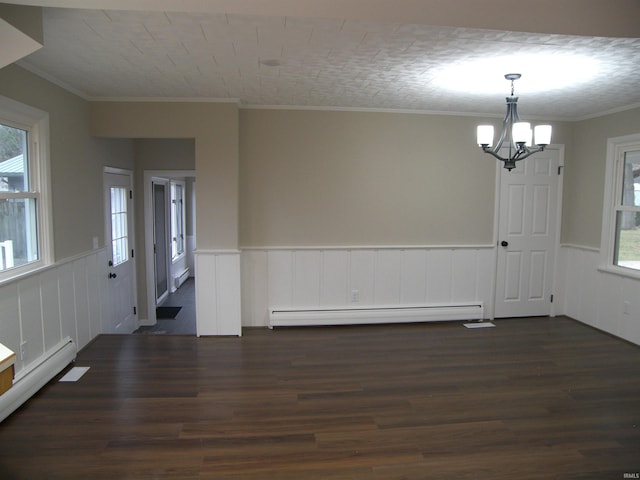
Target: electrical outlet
x,y
355,296
23,351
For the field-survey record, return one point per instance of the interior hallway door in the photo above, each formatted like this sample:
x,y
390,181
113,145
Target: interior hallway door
x,y
527,235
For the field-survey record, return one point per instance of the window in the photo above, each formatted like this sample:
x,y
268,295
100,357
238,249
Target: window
x,y
119,230
25,238
621,225
177,219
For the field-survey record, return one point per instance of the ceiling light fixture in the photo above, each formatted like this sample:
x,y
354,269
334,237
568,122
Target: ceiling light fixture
x,y
518,134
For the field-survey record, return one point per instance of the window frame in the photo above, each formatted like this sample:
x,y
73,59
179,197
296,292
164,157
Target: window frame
x,y
617,147
182,227
36,123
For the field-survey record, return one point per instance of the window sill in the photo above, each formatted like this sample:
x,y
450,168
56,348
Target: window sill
x,y
620,271
176,259
20,273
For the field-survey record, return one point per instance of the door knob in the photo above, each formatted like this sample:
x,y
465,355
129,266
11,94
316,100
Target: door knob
x,y
504,243
112,275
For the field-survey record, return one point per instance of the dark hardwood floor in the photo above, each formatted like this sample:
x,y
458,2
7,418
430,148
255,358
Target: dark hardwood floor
x,y
537,398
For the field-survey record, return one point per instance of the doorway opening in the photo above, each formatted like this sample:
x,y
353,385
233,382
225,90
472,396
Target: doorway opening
x,y
170,238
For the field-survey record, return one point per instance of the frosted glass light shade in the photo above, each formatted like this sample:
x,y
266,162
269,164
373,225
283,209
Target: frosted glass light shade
x,y
542,134
485,135
522,132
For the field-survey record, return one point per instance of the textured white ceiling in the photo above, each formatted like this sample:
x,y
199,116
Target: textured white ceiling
x,y
315,62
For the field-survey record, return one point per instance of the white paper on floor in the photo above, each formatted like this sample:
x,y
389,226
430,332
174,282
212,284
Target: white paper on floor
x,y
74,374
479,325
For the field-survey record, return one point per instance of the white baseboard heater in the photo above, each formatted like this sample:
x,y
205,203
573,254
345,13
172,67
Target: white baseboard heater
x,y
180,278
36,376
289,317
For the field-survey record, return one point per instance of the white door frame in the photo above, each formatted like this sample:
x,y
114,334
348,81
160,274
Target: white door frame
x,y
149,176
131,227
496,229
166,232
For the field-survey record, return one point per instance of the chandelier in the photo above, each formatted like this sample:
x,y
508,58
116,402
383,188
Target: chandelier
x,y
517,134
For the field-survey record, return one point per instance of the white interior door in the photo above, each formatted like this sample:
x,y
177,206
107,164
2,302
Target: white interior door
x,y
119,244
527,236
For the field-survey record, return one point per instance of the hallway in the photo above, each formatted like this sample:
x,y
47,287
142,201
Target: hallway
x,y
185,322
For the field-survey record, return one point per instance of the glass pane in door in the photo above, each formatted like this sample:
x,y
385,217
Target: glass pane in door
x,y
119,233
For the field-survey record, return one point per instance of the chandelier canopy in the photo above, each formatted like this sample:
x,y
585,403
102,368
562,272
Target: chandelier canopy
x,y
517,134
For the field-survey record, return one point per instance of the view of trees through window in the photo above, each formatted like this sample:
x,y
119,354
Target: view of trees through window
x,y
628,215
18,241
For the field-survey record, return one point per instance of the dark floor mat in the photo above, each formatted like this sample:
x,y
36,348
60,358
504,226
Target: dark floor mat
x,y
167,312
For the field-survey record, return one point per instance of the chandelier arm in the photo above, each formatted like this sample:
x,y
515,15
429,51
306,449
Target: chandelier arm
x,y
520,154
507,124
494,153
526,152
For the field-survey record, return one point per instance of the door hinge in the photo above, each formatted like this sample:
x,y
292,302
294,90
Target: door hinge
x,y
135,312
132,255
130,194
560,167
551,299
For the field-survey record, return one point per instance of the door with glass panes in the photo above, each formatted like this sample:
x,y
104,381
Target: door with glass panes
x,y
119,246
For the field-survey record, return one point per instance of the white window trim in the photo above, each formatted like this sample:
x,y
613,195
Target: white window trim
x,y
615,149
181,255
36,122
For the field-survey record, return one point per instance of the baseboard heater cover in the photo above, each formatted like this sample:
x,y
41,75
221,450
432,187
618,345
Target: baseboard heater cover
x,y
180,278
281,317
34,377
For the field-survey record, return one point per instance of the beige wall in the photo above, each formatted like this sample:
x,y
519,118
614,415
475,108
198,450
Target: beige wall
x,y
76,158
326,178
214,126
584,176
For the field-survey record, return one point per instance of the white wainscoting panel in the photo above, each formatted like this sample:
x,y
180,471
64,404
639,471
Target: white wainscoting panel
x,y
218,299
279,278
598,298
81,287
387,277
440,275
413,279
306,288
254,289
339,277
334,289
50,294
31,316
63,300
361,276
